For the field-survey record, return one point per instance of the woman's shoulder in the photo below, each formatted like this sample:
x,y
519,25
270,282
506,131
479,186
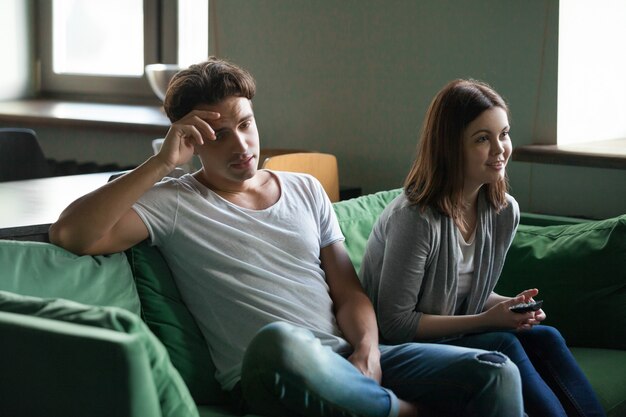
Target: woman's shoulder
x,y
512,205
402,211
510,214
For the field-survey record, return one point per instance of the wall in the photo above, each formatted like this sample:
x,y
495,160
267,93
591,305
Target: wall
x,y
355,78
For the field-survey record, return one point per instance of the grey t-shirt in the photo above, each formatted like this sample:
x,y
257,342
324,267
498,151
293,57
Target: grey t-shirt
x,y
239,269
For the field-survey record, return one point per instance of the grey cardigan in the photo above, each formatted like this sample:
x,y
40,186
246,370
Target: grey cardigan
x,y
410,264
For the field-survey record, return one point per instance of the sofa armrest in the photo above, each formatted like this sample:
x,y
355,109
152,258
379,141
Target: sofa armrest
x,y
56,368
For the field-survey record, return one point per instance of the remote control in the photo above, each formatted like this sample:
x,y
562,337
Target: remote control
x,y
526,307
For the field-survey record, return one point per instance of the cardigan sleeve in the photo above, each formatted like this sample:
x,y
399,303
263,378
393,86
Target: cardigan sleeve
x,y
408,242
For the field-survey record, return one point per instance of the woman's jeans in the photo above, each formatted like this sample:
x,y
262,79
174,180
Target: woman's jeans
x,y
287,372
552,382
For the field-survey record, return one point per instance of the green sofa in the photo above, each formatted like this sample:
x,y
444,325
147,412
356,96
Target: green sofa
x,y
125,345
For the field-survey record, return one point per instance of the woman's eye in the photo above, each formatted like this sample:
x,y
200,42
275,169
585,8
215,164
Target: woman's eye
x,y
245,124
481,139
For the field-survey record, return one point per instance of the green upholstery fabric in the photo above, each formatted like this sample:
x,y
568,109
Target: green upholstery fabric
x,y
580,271
174,397
170,320
357,217
58,369
605,369
45,270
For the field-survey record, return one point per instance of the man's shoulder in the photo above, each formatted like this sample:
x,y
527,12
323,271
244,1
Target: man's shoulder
x,y
297,182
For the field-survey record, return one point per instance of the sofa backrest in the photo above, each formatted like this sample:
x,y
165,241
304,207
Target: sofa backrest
x,y
356,218
164,312
580,271
44,270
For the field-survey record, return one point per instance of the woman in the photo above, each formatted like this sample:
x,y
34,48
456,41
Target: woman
x,y
436,252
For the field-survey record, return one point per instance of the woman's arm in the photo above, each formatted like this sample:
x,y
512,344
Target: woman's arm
x,y
498,317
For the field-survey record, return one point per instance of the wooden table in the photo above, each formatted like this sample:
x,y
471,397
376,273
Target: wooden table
x,y
28,207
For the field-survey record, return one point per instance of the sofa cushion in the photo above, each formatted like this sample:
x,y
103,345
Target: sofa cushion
x,y
580,271
606,371
45,270
173,395
170,320
356,218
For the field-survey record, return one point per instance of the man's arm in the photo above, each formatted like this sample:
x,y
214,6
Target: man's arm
x,y
353,310
103,221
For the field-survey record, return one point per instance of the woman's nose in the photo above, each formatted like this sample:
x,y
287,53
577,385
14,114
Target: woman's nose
x,y
497,148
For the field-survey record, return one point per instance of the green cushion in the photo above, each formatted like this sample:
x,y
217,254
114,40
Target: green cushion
x,y
174,397
45,270
170,320
357,217
606,371
580,271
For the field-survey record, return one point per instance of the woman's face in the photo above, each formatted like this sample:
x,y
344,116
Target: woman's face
x,y
487,148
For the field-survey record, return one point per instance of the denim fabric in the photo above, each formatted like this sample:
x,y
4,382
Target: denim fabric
x,y
287,372
552,382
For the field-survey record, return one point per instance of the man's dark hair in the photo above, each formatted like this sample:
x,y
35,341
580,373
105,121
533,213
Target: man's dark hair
x,y
208,82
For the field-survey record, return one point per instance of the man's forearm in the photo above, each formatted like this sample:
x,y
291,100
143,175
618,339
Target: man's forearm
x,y
357,321
92,216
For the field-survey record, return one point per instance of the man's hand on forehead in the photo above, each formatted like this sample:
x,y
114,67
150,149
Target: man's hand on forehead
x,y
202,121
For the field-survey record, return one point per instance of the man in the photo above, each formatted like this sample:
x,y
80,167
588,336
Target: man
x,y
259,259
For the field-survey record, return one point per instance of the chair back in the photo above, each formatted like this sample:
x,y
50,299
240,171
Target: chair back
x,y
265,153
21,157
322,166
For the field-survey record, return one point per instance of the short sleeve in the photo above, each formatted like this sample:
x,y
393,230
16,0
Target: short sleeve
x,y
330,232
158,208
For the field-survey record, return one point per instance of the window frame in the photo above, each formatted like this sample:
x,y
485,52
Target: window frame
x,y
160,46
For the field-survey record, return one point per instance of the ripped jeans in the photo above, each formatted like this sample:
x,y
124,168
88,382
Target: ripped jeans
x,y
552,383
287,372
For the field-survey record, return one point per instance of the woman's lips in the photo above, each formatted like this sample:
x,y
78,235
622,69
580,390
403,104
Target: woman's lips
x,y
497,164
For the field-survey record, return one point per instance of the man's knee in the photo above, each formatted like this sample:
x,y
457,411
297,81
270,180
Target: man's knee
x,y
281,346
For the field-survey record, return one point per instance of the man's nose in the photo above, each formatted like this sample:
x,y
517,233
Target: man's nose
x,y
241,142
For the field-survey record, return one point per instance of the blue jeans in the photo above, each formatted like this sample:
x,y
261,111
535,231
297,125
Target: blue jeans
x,y
287,372
552,382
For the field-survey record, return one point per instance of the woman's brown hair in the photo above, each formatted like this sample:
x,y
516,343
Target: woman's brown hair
x,y
436,177
208,82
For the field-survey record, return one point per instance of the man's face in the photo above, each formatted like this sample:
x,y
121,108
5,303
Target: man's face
x,y
232,158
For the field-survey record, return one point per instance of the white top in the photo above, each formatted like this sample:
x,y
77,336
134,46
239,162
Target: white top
x,y
466,268
239,269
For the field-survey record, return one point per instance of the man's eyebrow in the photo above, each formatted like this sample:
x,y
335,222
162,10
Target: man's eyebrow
x,y
241,119
245,117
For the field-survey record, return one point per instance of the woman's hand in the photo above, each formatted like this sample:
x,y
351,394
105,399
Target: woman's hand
x,y
184,135
539,315
500,315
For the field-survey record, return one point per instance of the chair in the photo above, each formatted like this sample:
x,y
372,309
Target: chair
x,y
265,153
322,166
21,157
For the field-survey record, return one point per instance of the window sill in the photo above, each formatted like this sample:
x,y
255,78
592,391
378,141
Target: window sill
x,y
604,154
128,117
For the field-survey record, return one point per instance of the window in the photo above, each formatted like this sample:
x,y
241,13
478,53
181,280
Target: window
x,y
592,64
101,48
